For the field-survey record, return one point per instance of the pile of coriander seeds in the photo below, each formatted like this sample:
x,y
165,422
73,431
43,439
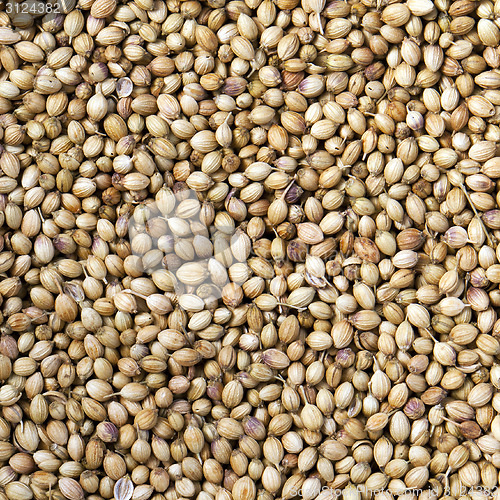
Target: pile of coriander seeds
x,y
249,250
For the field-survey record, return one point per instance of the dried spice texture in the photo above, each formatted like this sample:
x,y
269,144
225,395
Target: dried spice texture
x,y
249,250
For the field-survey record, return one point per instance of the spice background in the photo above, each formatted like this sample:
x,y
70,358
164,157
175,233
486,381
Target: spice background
x,y
249,250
